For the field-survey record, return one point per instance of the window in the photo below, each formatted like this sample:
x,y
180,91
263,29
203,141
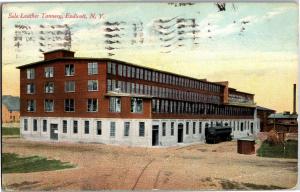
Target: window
x,y
86,127
92,85
120,70
49,72
164,129
242,126
30,88
49,87
99,128
69,86
187,128
69,105
65,126
30,105
34,125
111,68
126,128
112,129
69,70
136,105
92,105
172,128
194,127
25,124
115,104
30,74
200,127
49,105
75,126
141,129
92,68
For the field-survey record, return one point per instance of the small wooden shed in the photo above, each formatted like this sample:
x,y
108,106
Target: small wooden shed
x,y
246,145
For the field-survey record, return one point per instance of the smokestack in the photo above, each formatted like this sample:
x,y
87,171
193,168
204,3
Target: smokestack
x,y
294,99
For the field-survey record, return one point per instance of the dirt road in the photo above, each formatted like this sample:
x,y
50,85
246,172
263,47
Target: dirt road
x,y
195,167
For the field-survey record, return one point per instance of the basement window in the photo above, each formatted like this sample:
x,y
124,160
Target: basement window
x,y
112,129
141,129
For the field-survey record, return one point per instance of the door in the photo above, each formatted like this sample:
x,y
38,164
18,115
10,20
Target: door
x,y
155,135
180,133
53,131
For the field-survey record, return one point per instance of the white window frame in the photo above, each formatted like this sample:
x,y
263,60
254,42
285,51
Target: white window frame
x,y
29,88
33,102
68,71
49,72
91,85
115,104
90,105
69,106
45,105
47,88
67,86
134,105
30,73
93,68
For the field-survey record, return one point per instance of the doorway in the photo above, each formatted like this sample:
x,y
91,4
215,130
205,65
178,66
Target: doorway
x,y
53,131
155,134
180,133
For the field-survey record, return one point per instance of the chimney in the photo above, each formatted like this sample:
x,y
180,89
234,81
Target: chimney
x,y
294,100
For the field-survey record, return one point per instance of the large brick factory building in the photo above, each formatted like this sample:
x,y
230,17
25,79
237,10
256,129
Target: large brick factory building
x,y
69,98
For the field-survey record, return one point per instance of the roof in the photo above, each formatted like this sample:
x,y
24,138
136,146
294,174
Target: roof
x,y
111,60
234,90
65,50
241,104
117,94
264,108
283,116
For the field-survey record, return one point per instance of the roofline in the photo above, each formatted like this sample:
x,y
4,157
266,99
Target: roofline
x,y
113,60
58,50
235,90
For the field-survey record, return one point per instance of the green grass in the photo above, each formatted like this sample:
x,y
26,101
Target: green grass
x,y
278,151
10,131
12,163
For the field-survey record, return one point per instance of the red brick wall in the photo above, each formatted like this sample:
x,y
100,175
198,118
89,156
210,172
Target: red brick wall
x,y
80,95
58,54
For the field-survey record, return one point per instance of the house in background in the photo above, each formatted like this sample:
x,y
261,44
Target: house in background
x,y
10,115
103,100
283,122
263,114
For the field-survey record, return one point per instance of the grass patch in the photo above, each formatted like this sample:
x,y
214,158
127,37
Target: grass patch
x,y
233,185
10,131
278,151
12,163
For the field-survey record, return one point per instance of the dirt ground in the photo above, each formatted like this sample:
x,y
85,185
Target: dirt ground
x,y
194,167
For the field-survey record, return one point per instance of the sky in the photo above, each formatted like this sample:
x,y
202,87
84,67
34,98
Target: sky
x,y
254,46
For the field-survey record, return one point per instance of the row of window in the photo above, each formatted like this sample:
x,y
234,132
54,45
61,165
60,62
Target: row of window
x,y
92,105
232,98
126,131
69,87
69,70
177,107
87,127
150,75
155,91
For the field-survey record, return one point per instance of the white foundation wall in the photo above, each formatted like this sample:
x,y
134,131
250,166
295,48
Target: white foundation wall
x,y
133,139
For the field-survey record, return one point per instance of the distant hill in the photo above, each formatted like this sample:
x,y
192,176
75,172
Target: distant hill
x,y
11,102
